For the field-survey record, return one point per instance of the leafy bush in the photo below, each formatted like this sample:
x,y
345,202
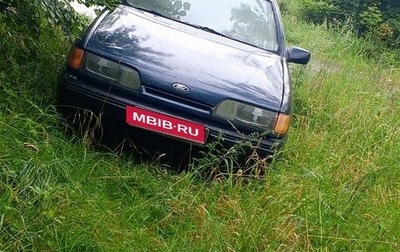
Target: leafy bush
x,y
35,34
317,10
380,20
35,13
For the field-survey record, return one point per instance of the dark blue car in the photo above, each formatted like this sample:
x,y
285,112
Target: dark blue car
x,y
190,70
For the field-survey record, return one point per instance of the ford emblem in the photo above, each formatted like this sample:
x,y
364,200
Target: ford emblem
x,y
181,87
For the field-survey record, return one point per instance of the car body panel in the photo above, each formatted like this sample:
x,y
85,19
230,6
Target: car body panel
x,y
167,52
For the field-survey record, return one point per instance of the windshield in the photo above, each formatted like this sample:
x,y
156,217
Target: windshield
x,y
248,21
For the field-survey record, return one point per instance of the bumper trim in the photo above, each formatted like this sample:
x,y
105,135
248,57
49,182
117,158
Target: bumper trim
x,y
72,96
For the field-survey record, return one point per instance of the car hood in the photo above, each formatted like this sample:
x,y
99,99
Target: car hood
x,y
166,52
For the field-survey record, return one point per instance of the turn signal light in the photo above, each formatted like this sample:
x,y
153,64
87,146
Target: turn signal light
x,y
75,58
282,124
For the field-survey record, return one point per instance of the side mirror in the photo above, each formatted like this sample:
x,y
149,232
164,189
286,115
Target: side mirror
x,y
298,55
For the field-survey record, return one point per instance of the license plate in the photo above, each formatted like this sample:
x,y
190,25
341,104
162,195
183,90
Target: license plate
x,y
164,124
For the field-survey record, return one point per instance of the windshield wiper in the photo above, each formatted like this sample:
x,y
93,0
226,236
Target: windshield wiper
x,y
208,29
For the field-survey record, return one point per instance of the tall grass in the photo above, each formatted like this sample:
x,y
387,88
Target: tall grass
x,y
336,189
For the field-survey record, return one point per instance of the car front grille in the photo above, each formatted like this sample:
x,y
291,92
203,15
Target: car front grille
x,y
175,100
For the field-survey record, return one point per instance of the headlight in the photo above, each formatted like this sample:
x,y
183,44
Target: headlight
x,y
246,114
112,71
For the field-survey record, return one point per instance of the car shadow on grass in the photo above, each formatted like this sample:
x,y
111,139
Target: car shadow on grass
x,y
208,162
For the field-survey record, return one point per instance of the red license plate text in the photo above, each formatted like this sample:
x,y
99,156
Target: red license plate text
x,y
164,124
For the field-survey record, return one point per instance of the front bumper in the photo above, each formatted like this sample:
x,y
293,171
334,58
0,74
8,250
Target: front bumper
x,y
74,94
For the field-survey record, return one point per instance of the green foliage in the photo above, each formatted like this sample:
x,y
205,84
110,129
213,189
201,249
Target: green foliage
x,y
29,28
371,18
379,20
36,13
317,10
